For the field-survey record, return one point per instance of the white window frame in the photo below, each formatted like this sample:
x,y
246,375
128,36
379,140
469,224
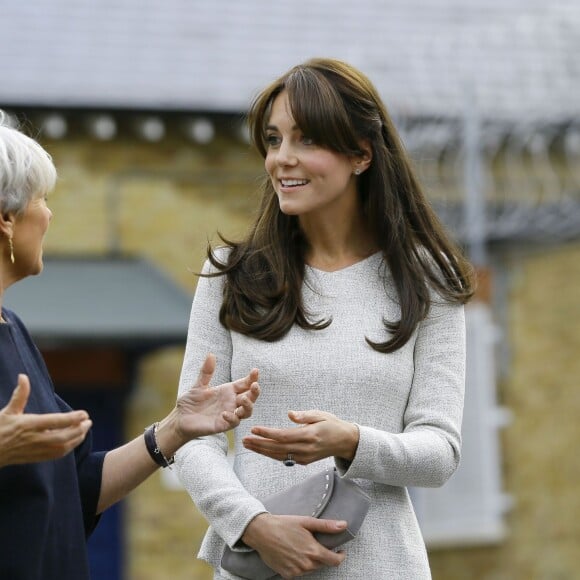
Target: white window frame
x,y
469,509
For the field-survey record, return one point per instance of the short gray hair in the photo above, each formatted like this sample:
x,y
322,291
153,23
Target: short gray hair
x,y
26,169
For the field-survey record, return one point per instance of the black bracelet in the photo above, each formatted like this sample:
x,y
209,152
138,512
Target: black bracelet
x,y
153,448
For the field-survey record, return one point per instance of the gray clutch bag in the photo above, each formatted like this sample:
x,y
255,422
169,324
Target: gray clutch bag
x,y
323,495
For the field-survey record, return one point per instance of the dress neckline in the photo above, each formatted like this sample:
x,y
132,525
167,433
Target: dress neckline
x,y
352,266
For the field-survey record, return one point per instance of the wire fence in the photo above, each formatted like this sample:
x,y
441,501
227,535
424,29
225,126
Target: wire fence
x,y
530,177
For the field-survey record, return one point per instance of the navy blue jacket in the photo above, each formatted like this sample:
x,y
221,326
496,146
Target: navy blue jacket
x,y
47,509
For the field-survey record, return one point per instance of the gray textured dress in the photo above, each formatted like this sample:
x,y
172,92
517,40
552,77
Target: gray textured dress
x,y
408,405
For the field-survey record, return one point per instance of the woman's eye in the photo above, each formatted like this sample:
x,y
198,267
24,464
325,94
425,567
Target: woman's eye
x,y
272,140
307,140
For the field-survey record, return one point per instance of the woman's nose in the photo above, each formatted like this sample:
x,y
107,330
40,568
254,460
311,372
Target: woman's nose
x,y
286,154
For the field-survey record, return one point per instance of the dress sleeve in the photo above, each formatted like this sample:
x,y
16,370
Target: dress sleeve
x,y
202,464
427,452
89,472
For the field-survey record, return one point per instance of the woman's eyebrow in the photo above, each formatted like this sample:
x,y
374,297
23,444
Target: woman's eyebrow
x,y
275,128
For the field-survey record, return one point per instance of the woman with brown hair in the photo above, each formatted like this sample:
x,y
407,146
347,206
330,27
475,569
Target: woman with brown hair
x,y
348,295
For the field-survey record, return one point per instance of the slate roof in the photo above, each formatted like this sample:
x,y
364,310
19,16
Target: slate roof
x,y
91,300
517,58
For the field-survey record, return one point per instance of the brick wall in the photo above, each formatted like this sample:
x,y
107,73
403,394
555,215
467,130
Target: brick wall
x,y
540,447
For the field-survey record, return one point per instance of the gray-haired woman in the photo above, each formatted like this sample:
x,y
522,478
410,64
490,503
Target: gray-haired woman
x,y
52,486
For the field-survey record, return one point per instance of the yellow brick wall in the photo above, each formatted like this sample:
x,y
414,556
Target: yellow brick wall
x,y
540,447
171,197
167,199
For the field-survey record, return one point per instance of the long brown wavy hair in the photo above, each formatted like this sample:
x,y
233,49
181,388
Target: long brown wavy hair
x,y
338,107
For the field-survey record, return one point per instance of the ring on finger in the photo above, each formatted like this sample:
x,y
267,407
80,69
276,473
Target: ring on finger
x,y
289,461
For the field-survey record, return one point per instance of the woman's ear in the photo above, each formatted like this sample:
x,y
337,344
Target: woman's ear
x,y
7,221
362,162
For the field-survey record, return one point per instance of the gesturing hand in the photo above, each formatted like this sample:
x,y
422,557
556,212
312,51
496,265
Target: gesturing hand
x,y
27,437
205,410
320,435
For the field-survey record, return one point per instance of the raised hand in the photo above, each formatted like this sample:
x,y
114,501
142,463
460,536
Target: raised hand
x,y
204,410
320,435
28,438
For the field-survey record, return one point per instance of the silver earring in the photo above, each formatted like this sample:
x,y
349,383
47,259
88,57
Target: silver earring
x,y
357,171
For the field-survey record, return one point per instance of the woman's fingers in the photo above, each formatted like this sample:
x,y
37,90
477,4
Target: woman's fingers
x,y
207,370
248,398
55,421
38,437
243,385
273,449
280,436
323,555
30,443
244,406
67,434
19,396
58,442
312,440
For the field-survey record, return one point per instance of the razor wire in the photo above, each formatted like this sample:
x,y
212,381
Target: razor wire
x,y
530,176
